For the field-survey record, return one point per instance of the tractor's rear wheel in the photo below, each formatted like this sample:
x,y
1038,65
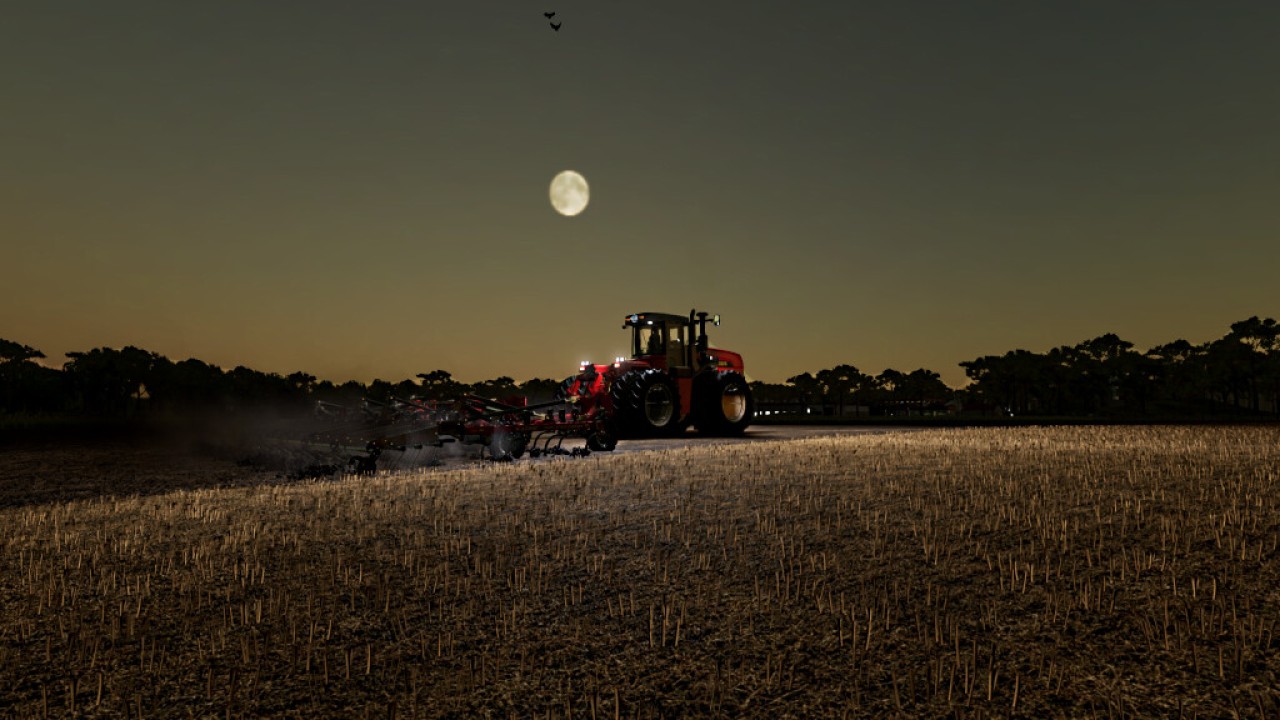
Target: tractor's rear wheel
x,y
645,404
723,404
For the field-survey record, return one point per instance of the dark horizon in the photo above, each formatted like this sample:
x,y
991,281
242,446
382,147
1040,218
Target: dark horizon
x,y
1259,333
1105,377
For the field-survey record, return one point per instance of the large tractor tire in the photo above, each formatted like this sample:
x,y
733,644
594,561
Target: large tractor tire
x,y
645,404
723,404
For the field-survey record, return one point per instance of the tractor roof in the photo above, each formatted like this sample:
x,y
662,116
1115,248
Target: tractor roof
x,y
641,318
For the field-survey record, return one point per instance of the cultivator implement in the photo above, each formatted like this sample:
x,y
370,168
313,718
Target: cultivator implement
x,y
359,435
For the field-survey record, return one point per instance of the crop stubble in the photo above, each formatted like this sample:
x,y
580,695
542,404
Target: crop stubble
x,y
1034,572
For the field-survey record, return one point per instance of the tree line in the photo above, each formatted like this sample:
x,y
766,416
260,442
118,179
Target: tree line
x,y
1239,372
1104,376
129,381
845,390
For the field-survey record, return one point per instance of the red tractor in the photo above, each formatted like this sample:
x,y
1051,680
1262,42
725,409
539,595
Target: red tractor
x,y
673,380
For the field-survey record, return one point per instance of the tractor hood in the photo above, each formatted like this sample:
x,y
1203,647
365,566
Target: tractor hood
x,y
726,359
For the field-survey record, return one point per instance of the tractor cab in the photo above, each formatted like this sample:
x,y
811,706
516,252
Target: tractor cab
x,y
667,341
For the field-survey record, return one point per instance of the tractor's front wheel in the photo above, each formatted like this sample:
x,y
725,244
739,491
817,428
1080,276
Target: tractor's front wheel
x,y
645,404
723,403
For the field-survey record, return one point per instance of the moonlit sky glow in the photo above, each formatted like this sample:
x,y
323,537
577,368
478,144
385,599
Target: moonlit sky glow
x,y
358,190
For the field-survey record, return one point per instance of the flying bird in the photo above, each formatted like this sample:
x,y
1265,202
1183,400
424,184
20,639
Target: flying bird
x,y
556,27
549,15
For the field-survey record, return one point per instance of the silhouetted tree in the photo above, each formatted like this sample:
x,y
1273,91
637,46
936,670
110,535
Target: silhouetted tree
x,y
108,381
537,390
380,390
1102,361
1258,339
770,396
189,385
301,383
437,385
888,385
921,387
26,386
12,352
807,388
351,391
248,389
838,383
1012,381
992,380
1180,367
873,394
498,388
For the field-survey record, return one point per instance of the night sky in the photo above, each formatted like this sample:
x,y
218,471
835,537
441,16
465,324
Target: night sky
x,y
359,190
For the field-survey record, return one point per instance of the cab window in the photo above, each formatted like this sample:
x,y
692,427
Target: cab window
x,y
650,340
675,346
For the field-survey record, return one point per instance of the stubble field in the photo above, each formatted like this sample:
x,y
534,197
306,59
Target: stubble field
x,y
1037,572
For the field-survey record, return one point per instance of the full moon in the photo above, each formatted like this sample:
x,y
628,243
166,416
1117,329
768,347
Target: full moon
x,y
569,193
